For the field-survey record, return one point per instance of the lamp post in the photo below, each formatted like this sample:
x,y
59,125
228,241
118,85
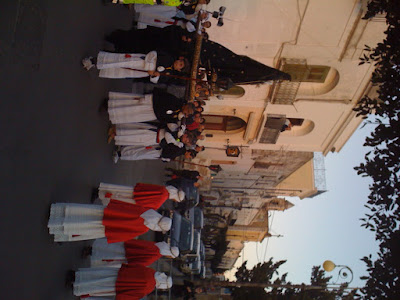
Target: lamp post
x,y
343,273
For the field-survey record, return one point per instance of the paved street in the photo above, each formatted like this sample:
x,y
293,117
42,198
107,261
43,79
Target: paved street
x,y
53,142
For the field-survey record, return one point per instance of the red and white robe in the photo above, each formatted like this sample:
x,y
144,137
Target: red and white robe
x,y
138,252
129,282
150,196
118,221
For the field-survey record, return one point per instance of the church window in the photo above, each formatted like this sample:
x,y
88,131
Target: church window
x,y
234,92
307,73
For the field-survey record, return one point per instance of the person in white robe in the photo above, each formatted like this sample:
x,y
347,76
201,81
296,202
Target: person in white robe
x,y
157,16
139,134
129,108
118,65
75,222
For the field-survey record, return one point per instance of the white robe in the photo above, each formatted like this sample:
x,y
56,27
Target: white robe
x,y
130,108
117,65
140,152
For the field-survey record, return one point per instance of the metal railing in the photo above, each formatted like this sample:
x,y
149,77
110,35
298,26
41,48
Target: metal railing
x,y
285,92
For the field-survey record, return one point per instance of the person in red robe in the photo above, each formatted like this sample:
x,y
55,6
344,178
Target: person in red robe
x,y
144,194
130,282
139,252
118,222
124,221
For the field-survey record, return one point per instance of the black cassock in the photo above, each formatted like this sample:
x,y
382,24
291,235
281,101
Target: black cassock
x,y
171,151
239,68
166,107
167,39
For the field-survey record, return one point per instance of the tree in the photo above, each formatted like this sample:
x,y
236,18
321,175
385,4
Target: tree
x,y
266,274
382,163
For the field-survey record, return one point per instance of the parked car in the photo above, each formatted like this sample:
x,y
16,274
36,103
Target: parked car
x,y
196,215
181,233
192,266
192,262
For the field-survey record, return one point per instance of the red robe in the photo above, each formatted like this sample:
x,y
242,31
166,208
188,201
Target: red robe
x,y
150,195
140,252
122,221
134,282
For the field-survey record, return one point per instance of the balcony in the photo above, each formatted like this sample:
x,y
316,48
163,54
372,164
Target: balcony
x,y
285,92
272,129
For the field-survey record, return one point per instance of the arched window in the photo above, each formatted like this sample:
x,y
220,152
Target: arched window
x,y
223,123
234,92
307,73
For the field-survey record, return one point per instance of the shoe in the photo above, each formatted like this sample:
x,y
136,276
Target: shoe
x,y
70,278
115,157
87,63
110,138
93,196
86,251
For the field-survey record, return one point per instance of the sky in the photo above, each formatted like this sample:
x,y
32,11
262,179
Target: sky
x,y
324,227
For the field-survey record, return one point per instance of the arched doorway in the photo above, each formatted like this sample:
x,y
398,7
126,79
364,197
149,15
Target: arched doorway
x,y
223,123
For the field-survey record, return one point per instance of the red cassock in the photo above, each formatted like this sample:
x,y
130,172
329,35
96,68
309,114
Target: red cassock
x,y
141,252
134,282
122,221
150,195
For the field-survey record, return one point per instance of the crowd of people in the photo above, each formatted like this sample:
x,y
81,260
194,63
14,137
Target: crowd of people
x,y
156,125
160,124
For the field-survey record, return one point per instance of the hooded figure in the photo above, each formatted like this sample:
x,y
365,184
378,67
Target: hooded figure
x,y
118,221
129,282
137,252
143,194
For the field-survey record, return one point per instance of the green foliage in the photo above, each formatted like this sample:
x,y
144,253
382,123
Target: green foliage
x,y
382,163
267,273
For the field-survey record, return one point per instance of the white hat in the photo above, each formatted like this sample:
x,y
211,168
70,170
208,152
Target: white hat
x,y
165,223
167,250
163,281
174,252
181,195
173,193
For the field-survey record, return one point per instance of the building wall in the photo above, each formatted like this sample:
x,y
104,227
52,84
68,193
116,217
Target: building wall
x,y
316,32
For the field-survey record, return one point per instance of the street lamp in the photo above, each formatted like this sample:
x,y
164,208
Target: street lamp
x,y
329,266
